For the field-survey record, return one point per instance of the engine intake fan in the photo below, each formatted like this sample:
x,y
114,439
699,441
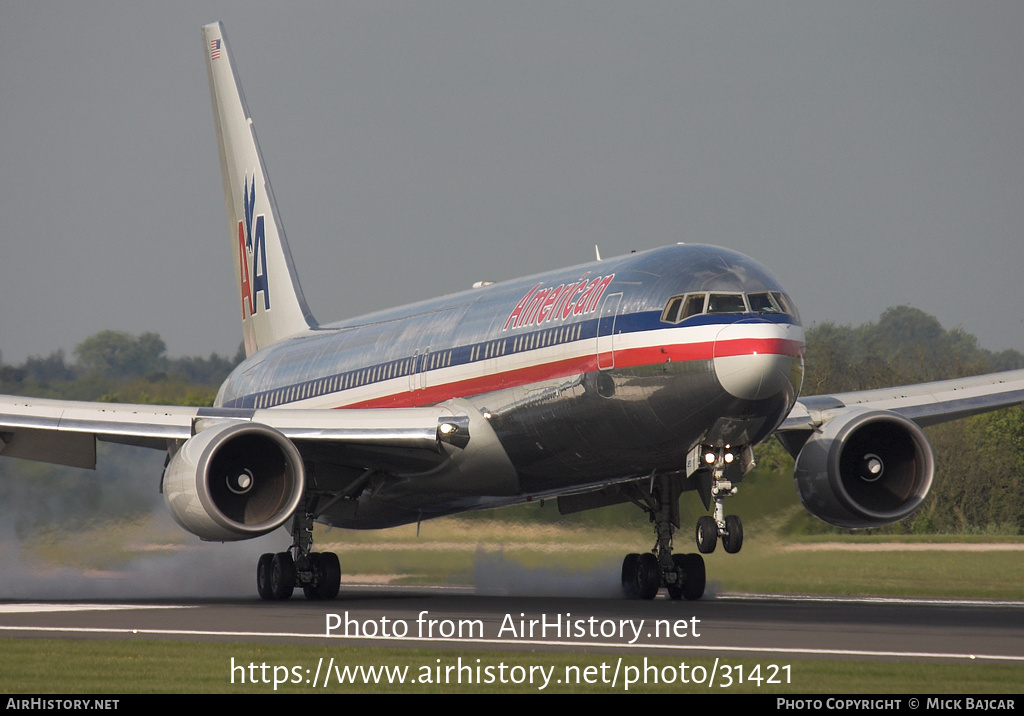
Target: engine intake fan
x,y
866,468
234,481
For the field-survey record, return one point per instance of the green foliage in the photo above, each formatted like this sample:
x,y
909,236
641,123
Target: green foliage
x,y
119,354
905,346
978,484
118,367
205,371
141,666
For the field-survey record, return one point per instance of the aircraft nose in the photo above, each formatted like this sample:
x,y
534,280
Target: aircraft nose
x,y
756,359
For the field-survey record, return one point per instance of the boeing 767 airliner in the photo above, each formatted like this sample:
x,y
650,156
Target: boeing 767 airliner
x,y
630,379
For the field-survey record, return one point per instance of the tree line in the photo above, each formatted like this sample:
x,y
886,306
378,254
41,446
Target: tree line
x,y
120,367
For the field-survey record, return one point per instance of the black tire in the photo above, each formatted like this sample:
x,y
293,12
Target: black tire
x,y
732,540
707,534
330,576
695,576
648,576
263,576
282,576
630,567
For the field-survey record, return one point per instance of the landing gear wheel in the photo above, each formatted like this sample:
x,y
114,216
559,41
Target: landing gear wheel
x,y
707,534
328,576
648,576
630,566
732,540
282,576
694,576
263,576
641,576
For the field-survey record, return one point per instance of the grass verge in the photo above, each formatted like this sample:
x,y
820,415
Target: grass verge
x,y
74,666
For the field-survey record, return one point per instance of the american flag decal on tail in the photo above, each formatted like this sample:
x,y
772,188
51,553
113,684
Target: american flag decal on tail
x,y
215,49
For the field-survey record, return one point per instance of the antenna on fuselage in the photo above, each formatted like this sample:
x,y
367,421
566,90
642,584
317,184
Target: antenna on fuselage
x,y
597,252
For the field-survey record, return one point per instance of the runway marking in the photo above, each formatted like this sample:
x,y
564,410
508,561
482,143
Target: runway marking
x,y
846,599
906,547
506,643
34,608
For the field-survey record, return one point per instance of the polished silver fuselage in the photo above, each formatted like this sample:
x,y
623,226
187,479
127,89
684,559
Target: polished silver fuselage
x,y
577,371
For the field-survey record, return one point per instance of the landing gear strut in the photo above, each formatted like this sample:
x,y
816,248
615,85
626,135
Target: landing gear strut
x,y
729,528
644,574
318,573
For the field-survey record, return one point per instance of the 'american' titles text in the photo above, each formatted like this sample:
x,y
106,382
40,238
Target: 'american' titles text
x,y
557,303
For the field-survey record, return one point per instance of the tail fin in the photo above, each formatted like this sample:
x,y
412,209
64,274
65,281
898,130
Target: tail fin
x,y
273,306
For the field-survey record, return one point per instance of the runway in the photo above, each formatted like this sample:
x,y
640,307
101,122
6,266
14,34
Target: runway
x,y
727,625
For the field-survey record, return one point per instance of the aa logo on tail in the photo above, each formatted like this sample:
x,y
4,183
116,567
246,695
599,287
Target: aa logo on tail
x,y
252,251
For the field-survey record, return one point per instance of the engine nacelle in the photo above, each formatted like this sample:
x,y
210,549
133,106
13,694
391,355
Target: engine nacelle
x,y
234,481
867,468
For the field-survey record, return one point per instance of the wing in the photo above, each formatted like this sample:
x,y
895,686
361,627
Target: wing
x,y
924,403
236,474
862,459
65,432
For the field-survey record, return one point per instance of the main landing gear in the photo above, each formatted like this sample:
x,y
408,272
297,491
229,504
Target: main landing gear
x,y
318,573
682,575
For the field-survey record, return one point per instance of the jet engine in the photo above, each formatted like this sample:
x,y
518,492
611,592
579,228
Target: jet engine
x,y
866,468
234,481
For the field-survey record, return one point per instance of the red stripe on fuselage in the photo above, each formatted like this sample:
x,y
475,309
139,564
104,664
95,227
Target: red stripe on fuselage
x,y
624,358
758,346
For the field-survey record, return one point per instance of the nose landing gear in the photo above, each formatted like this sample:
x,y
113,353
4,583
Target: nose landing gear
x,y
709,529
729,528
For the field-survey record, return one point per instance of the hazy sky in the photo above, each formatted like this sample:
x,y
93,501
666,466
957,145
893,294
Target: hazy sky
x,y
871,154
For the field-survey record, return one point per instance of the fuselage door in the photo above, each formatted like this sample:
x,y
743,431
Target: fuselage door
x,y
418,370
606,331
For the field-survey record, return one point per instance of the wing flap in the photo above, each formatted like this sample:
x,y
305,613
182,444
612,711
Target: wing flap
x,y
72,449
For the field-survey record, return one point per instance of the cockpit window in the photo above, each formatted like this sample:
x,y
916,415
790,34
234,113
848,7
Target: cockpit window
x,y
786,304
763,303
679,308
671,312
726,303
692,306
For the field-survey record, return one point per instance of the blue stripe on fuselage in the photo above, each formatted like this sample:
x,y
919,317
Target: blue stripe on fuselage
x,y
322,381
